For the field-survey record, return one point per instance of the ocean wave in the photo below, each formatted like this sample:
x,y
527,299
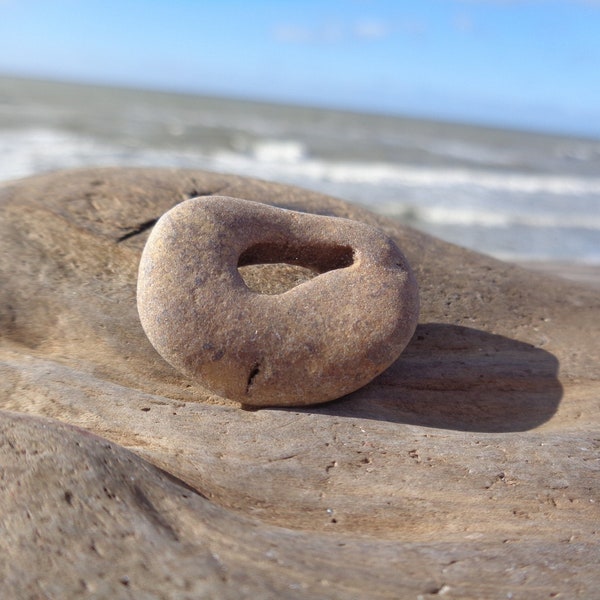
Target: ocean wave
x,y
36,150
27,151
479,217
279,151
390,174
452,197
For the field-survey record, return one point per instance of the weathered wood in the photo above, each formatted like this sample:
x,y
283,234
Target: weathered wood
x,y
469,469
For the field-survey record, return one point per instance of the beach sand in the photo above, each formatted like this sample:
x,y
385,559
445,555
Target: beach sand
x,y
468,469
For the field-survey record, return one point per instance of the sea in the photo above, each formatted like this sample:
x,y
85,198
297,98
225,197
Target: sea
x,y
517,195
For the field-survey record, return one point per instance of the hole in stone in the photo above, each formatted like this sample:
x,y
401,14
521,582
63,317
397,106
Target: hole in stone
x,y
274,269
274,279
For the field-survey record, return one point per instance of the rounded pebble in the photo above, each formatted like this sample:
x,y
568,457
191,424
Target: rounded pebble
x,y
318,341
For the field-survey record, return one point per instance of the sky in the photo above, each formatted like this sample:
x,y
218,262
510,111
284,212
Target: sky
x,y
529,64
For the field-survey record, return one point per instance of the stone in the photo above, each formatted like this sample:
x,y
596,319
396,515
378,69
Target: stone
x,y
467,469
315,342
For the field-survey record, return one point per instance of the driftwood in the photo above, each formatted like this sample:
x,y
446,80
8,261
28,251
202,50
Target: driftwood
x,y
468,469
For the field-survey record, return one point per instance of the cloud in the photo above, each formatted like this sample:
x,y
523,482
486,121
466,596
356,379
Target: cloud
x,y
463,23
332,32
292,34
362,30
371,30
295,34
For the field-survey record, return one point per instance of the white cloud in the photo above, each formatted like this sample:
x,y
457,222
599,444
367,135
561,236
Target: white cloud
x,y
292,34
362,30
331,33
463,23
371,29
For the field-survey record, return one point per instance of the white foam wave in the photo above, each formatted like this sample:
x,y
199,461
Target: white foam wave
x,y
470,217
37,150
279,151
448,210
32,151
23,152
455,192
408,175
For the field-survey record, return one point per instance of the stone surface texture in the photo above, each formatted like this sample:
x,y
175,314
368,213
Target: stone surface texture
x,y
469,469
314,342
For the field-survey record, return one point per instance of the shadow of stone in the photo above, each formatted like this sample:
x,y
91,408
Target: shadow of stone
x,y
454,377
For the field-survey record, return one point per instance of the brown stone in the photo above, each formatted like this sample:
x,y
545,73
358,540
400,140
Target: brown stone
x,y
468,469
313,343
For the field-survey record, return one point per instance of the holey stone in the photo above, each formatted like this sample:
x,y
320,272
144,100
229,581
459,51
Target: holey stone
x,y
315,342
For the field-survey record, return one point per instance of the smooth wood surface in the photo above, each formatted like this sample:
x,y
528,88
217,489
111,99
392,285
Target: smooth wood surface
x,y
468,469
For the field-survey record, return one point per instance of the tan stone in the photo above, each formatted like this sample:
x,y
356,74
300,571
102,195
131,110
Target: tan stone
x,y
313,343
468,469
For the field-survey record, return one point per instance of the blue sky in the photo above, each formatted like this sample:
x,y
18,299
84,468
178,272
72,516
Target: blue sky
x,y
528,63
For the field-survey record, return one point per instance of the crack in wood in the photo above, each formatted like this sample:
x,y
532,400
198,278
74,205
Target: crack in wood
x,y
137,230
